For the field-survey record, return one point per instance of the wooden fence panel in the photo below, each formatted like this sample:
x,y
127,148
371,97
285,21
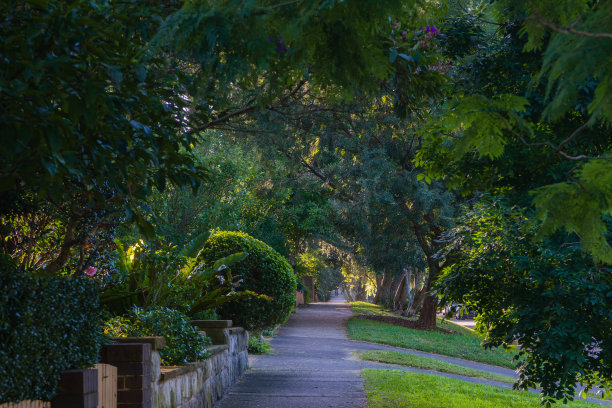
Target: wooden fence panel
x,y
27,404
107,386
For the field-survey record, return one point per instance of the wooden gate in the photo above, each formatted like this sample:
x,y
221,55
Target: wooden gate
x,y
107,386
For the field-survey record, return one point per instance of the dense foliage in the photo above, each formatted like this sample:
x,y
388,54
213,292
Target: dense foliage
x,y
263,271
527,123
183,342
554,106
151,274
93,121
550,299
47,325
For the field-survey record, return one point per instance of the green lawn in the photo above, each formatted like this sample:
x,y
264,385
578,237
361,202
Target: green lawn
x,y
368,308
401,389
425,363
462,343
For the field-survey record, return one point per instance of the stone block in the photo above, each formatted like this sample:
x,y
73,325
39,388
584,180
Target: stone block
x,y
155,366
156,342
218,335
203,383
134,382
130,396
212,324
217,348
132,368
127,352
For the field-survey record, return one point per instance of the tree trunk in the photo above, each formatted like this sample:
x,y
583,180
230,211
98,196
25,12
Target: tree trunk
x,y
427,318
385,292
417,293
401,293
67,244
360,291
347,293
380,280
425,233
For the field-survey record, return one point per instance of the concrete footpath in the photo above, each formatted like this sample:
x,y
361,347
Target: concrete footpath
x,y
312,364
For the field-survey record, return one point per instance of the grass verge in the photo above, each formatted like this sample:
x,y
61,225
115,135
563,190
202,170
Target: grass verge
x,y
425,363
401,389
461,343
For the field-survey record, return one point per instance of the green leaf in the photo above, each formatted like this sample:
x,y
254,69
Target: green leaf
x,y
392,54
230,260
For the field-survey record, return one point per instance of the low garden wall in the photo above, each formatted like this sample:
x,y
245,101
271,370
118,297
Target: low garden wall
x,y
143,382
201,384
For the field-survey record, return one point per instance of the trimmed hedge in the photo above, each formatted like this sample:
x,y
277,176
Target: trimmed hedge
x,y
263,271
47,325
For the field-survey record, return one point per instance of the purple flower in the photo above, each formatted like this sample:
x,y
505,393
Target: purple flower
x,y
280,43
91,270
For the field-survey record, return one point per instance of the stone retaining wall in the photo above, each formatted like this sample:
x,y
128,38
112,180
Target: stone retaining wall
x,y
201,384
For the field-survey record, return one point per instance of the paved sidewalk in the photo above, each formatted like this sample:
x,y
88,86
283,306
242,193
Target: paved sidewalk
x,y
311,366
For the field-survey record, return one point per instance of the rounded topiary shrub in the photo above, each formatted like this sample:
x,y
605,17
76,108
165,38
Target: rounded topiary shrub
x,y
263,271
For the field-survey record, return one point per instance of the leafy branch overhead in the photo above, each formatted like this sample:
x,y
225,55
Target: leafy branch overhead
x,y
564,109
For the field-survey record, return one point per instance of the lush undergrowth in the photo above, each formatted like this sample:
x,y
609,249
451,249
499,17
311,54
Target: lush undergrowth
x,y
425,363
461,343
401,389
258,346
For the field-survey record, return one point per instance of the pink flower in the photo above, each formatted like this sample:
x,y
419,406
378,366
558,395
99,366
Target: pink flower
x,y
91,270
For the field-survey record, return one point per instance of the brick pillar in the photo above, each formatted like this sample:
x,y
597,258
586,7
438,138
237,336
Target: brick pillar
x,y
134,376
77,389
